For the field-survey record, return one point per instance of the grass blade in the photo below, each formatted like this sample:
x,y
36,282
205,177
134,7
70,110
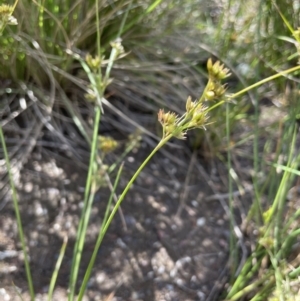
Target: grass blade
x,y
99,239
57,267
18,216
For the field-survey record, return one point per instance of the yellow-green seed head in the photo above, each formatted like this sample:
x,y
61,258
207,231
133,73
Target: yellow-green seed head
x,y
6,17
217,71
107,144
93,62
210,95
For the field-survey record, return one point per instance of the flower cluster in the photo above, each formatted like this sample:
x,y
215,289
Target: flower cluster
x,y
107,144
196,112
216,73
176,126
94,62
6,17
118,47
100,80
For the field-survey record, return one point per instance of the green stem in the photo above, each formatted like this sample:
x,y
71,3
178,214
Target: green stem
x,y
232,239
272,77
266,278
56,269
80,238
18,216
247,272
99,239
98,34
257,84
116,207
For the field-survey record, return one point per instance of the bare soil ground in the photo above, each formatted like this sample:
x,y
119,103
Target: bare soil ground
x,y
170,242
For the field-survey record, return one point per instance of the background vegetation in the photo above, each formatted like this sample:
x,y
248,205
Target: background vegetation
x,y
46,77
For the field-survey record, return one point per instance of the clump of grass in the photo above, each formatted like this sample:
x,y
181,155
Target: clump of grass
x,y
270,271
54,27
